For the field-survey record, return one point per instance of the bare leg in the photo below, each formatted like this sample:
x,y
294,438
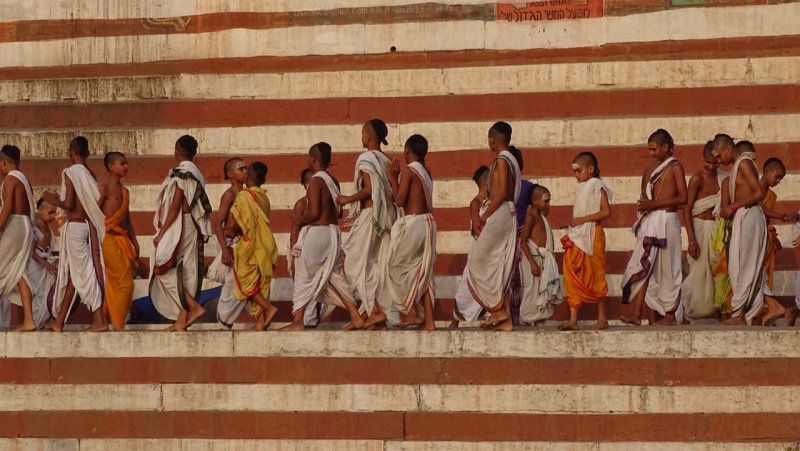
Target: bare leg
x,y
427,306
791,315
735,321
268,311
602,320
356,321
498,316
57,325
99,323
775,310
195,310
638,301
376,317
297,322
572,324
180,323
27,307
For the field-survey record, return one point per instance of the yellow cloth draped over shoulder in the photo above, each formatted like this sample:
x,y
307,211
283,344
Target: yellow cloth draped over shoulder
x,y
256,253
119,255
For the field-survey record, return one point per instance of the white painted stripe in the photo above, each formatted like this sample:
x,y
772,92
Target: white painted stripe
x,y
96,9
55,397
629,342
442,136
688,23
594,76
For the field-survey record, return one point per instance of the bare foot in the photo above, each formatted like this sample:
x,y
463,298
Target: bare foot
x,y
667,320
352,326
293,327
194,315
269,315
735,321
569,326
171,328
599,326
374,320
54,327
495,319
26,327
791,315
632,321
99,327
769,318
429,327
505,326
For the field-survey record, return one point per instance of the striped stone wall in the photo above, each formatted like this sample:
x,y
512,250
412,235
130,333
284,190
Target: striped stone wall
x,y
265,81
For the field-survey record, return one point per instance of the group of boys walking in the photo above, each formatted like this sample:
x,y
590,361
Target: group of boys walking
x,y
382,274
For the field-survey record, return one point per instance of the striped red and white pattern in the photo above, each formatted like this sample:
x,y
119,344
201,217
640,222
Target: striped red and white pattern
x,y
267,80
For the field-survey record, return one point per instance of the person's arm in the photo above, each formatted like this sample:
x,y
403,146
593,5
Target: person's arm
x,y
363,194
401,188
8,201
497,190
474,216
725,196
174,211
313,208
527,229
757,192
679,200
686,213
298,210
603,213
52,198
225,204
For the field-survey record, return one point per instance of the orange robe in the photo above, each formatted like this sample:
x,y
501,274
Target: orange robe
x,y
118,256
585,275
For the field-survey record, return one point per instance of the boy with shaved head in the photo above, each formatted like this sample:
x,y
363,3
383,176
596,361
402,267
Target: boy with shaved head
x,y
748,240
490,264
182,226
653,275
372,214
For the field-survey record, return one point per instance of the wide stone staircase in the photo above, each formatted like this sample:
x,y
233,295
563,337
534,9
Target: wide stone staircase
x,y
632,389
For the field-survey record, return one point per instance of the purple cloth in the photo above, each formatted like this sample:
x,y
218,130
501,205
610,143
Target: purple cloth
x,y
522,203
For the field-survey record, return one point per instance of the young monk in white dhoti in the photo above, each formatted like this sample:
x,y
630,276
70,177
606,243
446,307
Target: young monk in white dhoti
x,y
490,265
773,172
314,309
120,246
227,233
585,243
81,271
17,216
408,274
703,194
318,274
466,307
372,214
748,241
541,282
791,312
182,225
653,275
256,254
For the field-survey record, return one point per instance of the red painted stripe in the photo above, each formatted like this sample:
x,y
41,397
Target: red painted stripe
x,y
322,370
746,47
539,162
453,219
728,427
44,30
516,106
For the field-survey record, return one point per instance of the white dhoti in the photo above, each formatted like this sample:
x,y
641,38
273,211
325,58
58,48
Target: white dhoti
x,y
543,293
408,273
41,283
228,307
318,272
466,307
491,263
80,261
362,250
746,252
16,245
656,260
697,290
176,266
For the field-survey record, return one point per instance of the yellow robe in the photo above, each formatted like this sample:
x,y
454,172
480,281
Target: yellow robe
x,y
118,256
256,253
585,275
